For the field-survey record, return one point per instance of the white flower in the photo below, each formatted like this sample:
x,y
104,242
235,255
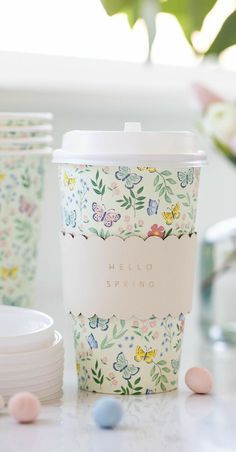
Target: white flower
x,y
220,122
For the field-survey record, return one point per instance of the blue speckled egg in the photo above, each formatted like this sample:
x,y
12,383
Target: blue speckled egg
x,y
107,412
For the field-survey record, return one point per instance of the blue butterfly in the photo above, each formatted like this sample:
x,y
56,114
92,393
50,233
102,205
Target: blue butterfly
x,y
97,322
121,365
70,218
92,341
185,177
152,207
131,179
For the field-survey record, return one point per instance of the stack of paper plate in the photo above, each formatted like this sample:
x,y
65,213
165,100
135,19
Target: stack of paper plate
x,y
31,354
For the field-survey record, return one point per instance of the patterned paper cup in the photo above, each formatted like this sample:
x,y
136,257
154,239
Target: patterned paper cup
x,y
159,199
24,119
21,190
25,132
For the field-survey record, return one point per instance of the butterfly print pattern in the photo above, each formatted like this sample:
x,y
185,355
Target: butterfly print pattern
x,y
126,201
128,356
21,188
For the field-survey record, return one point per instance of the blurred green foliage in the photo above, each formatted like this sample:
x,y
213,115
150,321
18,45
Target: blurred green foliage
x,y
189,13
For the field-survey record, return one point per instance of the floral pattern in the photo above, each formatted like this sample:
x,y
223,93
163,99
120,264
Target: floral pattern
x,y
21,188
128,356
116,355
127,201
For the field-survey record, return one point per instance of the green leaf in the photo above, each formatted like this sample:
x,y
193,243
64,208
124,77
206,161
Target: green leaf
x,y
152,371
166,369
103,190
122,323
96,364
189,13
141,198
163,388
169,189
181,196
163,377
97,191
162,191
156,180
99,373
132,194
130,385
226,36
140,207
166,173
159,186
139,190
161,363
137,381
167,198
171,181
96,380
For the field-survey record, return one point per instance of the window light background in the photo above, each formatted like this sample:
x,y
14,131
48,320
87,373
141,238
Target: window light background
x,y
81,28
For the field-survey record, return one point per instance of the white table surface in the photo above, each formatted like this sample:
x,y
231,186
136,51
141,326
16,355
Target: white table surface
x,y
173,422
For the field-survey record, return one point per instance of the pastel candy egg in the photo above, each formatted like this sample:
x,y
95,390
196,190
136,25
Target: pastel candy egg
x,y
107,412
24,407
199,380
2,402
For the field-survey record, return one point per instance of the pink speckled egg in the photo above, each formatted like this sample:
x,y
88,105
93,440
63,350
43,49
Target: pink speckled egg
x,y
24,407
199,380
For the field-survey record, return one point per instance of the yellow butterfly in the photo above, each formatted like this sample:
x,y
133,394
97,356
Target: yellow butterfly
x,y
149,168
6,273
147,356
172,215
69,181
2,177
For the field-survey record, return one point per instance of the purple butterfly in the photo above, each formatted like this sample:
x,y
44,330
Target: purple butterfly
x,y
107,217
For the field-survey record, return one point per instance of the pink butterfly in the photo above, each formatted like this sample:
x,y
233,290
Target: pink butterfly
x,y
26,207
108,217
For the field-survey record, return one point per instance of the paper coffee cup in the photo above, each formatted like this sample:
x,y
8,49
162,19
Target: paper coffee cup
x,y
21,191
127,184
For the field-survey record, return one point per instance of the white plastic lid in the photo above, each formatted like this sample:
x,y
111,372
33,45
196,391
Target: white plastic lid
x,y
131,146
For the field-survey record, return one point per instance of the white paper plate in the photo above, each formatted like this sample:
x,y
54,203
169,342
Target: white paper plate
x,y
32,384
40,357
15,378
16,373
24,330
44,393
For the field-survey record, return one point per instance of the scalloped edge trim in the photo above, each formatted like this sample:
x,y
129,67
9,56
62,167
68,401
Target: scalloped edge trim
x,y
133,317
123,239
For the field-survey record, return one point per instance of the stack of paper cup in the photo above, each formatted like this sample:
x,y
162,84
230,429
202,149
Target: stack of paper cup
x,y
25,140
31,354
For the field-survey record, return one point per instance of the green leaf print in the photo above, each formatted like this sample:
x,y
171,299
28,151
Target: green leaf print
x,y
186,201
98,377
116,334
158,377
24,230
162,184
134,389
134,201
98,186
103,234
26,179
